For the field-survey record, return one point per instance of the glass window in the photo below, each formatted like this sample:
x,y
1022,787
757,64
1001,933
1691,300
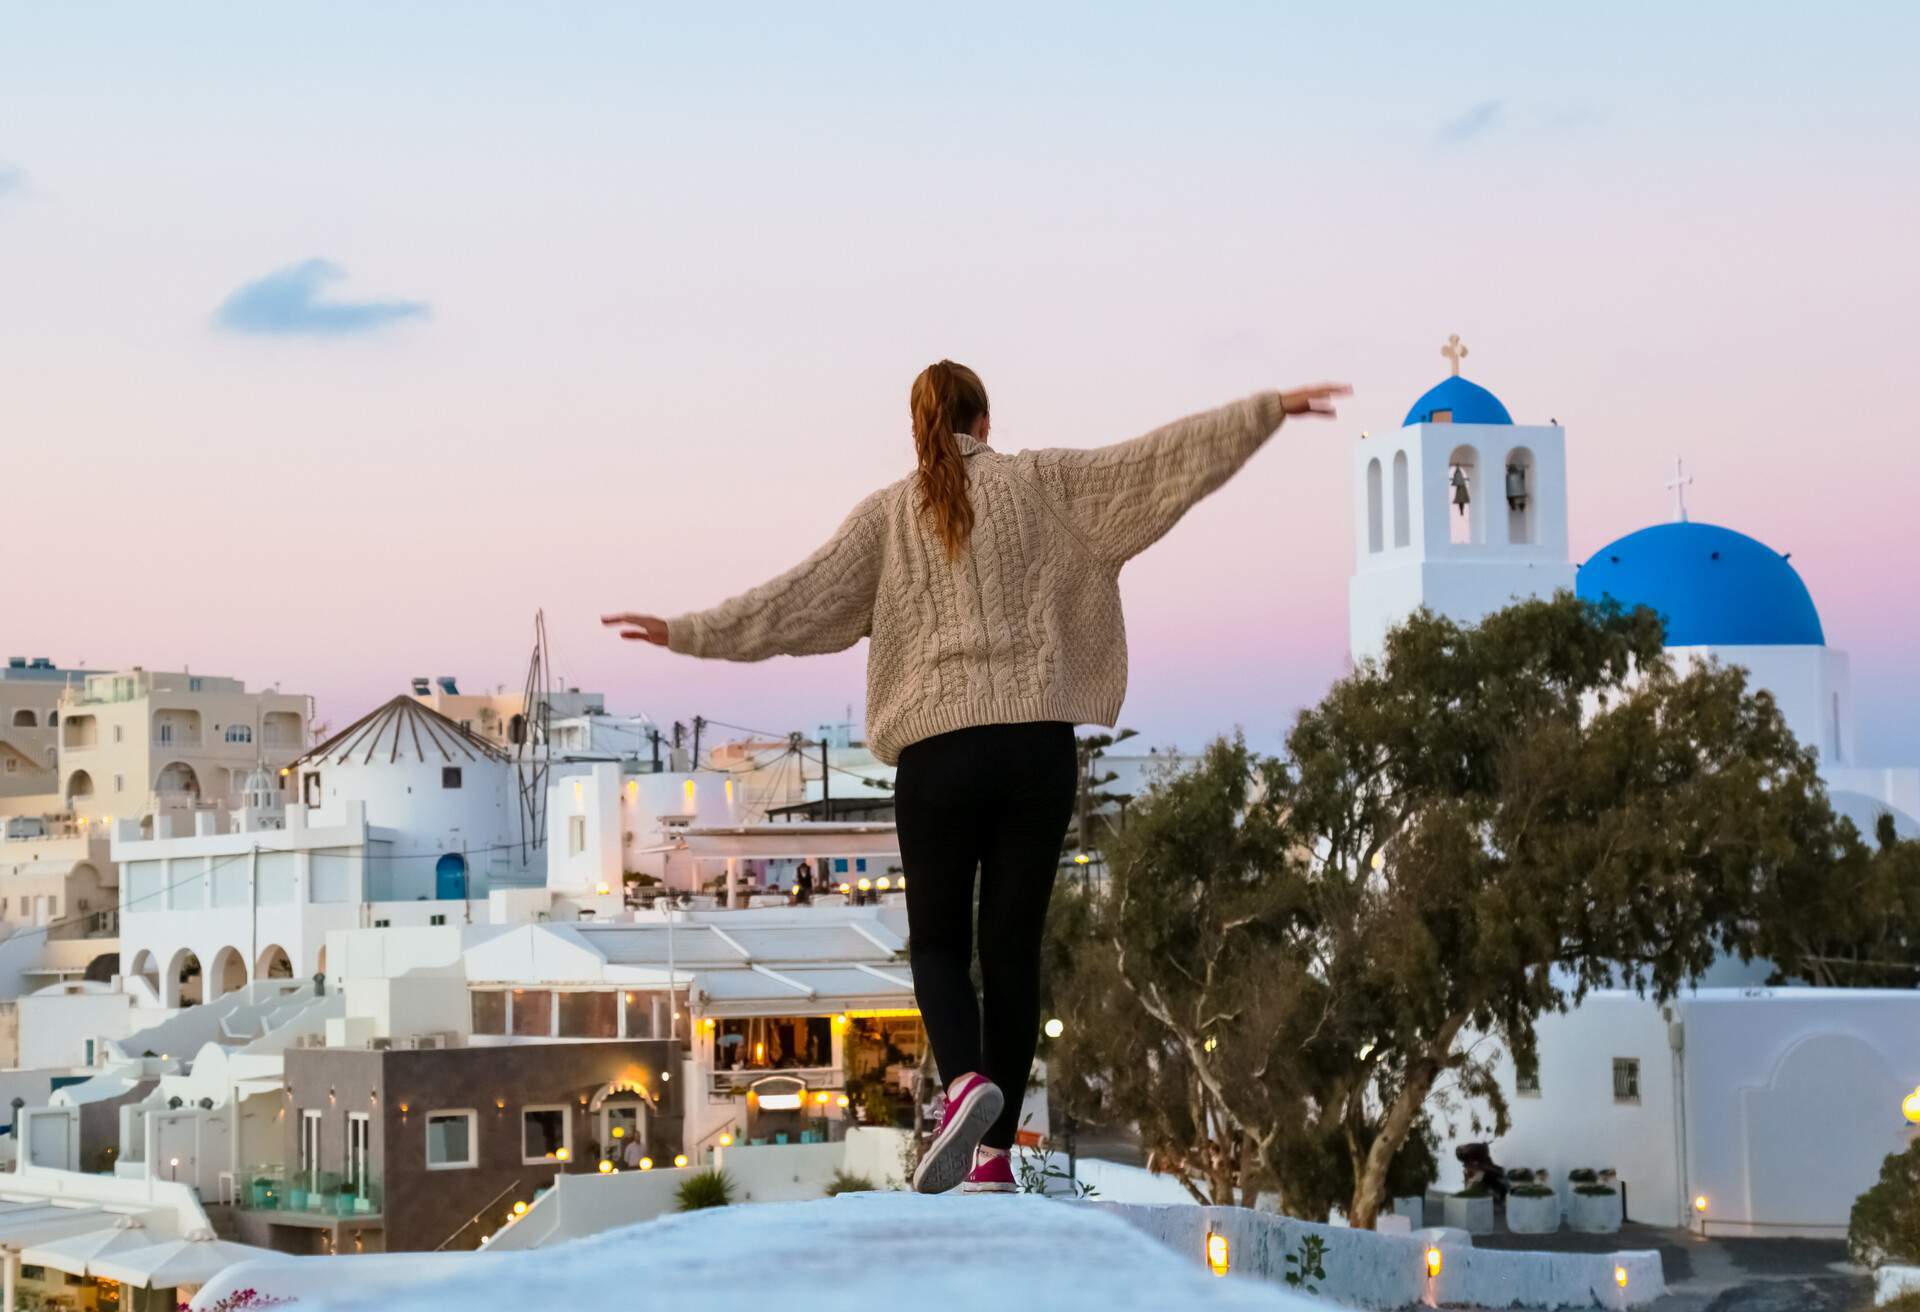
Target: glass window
x,y
533,1013
449,776
839,865
589,1016
639,1007
489,1012
544,1133
1626,1079
450,1140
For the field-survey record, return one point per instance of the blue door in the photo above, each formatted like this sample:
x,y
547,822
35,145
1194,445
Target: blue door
x,y
450,877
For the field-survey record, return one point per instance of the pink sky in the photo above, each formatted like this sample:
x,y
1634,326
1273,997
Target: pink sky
x,y
680,278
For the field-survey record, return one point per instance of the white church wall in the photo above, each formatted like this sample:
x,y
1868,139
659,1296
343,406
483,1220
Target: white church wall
x,y
1575,1120
1813,687
1793,1101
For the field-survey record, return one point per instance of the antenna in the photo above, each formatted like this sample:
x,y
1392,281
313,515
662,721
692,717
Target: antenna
x,y
529,739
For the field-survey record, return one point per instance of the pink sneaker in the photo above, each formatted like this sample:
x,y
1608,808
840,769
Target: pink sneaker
x,y
993,1175
949,1154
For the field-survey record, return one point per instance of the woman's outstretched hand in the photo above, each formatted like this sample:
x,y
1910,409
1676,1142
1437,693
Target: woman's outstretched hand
x,y
638,628
1315,400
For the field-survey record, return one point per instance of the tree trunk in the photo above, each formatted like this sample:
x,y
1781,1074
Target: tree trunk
x,y
1370,1174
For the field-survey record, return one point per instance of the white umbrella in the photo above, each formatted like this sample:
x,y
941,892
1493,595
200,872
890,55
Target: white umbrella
x,y
75,1252
190,1261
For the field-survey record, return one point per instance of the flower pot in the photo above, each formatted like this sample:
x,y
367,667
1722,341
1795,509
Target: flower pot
x,y
1593,1213
1533,1215
1474,1215
1414,1208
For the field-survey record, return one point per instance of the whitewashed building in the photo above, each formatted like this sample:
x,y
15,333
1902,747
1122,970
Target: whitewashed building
x,y
1774,1105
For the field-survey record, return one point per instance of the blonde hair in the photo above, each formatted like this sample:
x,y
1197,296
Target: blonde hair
x,y
947,398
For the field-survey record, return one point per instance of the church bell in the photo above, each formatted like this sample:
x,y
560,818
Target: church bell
x,y
1517,486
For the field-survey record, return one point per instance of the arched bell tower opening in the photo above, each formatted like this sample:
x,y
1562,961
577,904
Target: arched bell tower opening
x,y
1376,513
1402,509
1518,481
1466,520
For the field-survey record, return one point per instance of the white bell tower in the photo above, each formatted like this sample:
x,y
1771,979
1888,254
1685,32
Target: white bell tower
x,y
1462,511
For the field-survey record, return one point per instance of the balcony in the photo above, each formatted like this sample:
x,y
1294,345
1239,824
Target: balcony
x,y
317,1196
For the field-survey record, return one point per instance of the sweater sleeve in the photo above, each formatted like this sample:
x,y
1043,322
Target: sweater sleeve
x,y
823,604
1123,498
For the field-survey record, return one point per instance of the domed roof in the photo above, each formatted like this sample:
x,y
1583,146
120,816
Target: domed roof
x,y
1470,403
1713,587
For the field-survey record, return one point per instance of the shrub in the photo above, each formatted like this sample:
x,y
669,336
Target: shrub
x,y
1477,1191
1521,1176
1594,1190
878,1106
843,1183
706,1189
1885,1225
1583,1175
1530,1191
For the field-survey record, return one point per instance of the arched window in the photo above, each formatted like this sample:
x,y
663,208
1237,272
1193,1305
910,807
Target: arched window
x,y
1465,522
24,719
1374,535
1519,478
239,733
1402,509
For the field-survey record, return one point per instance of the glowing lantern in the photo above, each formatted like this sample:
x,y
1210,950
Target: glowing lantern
x,y
1433,1263
564,1154
865,884
1620,1276
520,1208
606,1167
1055,1028
1216,1253
1910,1106
619,1131
646,1163
1700,1203
726,1140
884,884
680,1159
1081,858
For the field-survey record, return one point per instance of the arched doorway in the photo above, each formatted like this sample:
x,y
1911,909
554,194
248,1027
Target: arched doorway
x,y
450,877
177,777
79,788
229,972
104,967
147,969
184,985
23,719
274,963
619,1110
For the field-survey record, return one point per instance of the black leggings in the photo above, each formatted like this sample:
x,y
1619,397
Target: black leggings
x,y
996,798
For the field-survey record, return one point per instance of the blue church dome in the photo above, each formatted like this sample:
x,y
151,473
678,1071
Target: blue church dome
x,y
1713,587
1469,402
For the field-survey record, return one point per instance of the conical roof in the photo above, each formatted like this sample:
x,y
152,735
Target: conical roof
x,y
403,729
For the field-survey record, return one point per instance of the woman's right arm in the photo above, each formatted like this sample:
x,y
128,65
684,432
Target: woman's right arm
x,y
1125,497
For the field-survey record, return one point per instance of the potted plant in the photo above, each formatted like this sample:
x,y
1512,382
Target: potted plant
x,y
1593,1206
1471,1210
1533,1208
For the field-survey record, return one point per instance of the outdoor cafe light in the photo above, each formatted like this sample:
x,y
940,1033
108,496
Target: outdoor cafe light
x,y
1620,1276
1055,1028
883,884
726,1140
1216,1253
646,1163
1700,1204
1433,1263
680,1159
520,1208
1910,1106
606,1167
865,884
564,1154
1081,858
846,888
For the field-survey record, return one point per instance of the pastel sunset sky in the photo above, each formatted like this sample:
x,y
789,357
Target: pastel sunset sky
x,y
335,340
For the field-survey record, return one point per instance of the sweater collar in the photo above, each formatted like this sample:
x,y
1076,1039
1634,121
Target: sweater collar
x,y
969,445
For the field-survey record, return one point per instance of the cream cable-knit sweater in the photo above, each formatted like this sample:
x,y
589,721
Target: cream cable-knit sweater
x,y
1025,624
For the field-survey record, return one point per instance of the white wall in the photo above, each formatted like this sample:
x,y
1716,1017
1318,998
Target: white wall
x,y
55,1027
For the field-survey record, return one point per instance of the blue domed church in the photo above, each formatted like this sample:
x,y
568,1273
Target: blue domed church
x,y
1464,511
1736,1108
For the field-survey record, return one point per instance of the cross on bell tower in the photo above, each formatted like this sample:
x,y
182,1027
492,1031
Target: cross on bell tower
x,y
1455,351
1678,485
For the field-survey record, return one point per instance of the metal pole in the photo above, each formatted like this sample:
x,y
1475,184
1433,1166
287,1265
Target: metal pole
x,y
826,789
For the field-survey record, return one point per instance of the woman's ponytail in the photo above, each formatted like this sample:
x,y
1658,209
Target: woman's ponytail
x,y
947,398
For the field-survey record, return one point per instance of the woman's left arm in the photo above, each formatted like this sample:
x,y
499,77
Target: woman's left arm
x,y
823,604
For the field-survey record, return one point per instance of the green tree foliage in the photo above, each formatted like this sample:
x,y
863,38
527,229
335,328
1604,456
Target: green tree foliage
x,y
704,1189
1855,924
1288,971
1885,1225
